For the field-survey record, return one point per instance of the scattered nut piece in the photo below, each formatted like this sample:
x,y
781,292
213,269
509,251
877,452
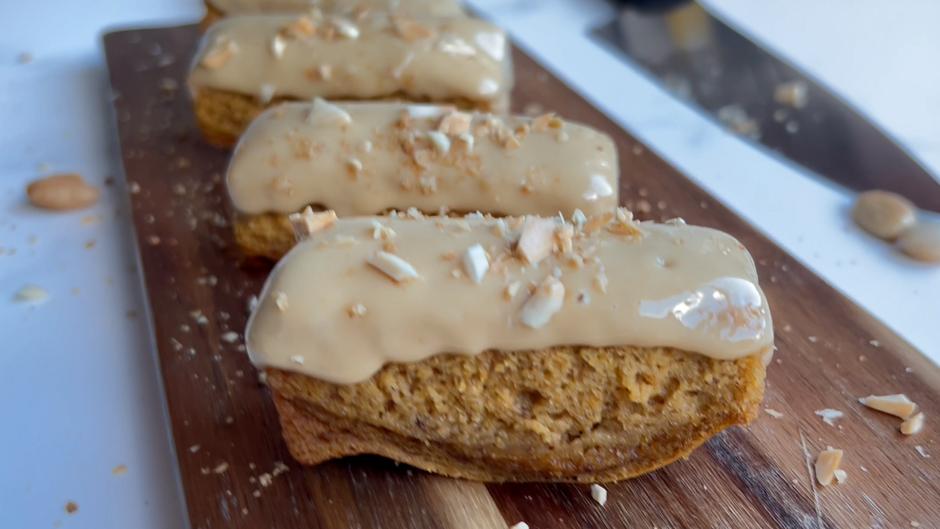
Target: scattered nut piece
x,y
31,294
829,415
510,290
280,301
381,231
520,525
220,468
466,139
922,452
308,222
922,242
536,240
345,28
62,192
913,425
297,359
599,188
455,123
897,405
883,214
547,122
543,304
326,113
827,462
440,141
278,44
356,311
476,263
230,337
773,413
71,507
222,50
266,93
840,475
599,494
393,266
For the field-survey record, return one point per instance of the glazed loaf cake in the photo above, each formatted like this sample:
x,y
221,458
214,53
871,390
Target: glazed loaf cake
x,y
216,9
520,349
368,158
248,62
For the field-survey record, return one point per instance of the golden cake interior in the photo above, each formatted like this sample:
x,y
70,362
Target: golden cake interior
x,y
580,414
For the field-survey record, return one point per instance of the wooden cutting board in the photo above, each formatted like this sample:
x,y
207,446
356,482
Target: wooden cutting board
x,y
237,473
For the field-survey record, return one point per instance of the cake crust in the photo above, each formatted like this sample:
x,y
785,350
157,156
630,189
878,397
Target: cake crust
x,y
575,414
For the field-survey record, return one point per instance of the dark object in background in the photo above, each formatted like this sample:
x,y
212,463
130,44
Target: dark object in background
x,y
758,95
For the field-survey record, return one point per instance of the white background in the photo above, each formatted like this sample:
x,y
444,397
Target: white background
x,y
77,375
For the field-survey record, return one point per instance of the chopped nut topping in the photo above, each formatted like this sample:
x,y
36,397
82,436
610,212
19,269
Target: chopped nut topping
x,y
543,304
913,425
829,415
563,237
466,139
897,405
520,525
356,311
840,475
297,359
301,27
393,266
547,122
324,72
827,462
623,224
410,30
536,240
62,192
455,123
599,494
354,166
280,301
326,113
439,141
773,413
307,222
510,290
345,28
475,263
381,231
266,93
222,50
278,44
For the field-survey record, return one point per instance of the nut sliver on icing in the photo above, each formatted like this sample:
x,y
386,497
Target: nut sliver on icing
x,y
679,286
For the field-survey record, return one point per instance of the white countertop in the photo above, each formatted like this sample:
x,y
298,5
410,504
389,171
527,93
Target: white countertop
x,y
80,382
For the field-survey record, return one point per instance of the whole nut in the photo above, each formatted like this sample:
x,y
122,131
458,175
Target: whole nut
x,y
62,192
883,214
922,242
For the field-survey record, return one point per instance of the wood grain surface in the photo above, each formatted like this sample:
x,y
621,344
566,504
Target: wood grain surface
x,y
236,470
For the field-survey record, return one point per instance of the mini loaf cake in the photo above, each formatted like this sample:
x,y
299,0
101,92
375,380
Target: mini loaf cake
x,y
518,349
367,158
216,9
247,62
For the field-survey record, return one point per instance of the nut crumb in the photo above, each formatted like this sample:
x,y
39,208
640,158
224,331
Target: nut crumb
x,y
230,337
543,304
922,452
475,263
599,494
71,507
356,311
898,405
827,462
773,413
393,266
520,525
536,241
32,294
913,424
308,222
119,470
829,415
220,468
222,50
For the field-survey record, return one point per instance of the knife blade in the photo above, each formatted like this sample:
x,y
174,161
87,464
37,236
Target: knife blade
x,y
706,62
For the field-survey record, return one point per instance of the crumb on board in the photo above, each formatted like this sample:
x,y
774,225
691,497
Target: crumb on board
x,y
71,507
829,415
773,413
599,494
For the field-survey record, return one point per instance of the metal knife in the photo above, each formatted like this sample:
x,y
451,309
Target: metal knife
x,y
705,61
